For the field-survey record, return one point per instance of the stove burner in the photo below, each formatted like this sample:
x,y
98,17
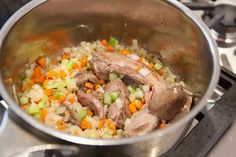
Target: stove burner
x,y
222,20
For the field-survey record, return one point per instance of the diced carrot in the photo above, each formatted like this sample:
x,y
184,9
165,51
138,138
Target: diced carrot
x,y
132,108
71,100
101,123
24,107
112,126
143,100
88,91
90,113
85,124
41,61
162,125
75,132
141,59
161,72
54,61
51,74
109,48
151,66
66,55
45,83
75,66
89,85
107,121
138,104
37,72
138,68
101,82
48,92
104,43
43,114
24,87
62,74
97,86
8,80
61,125
61,99
40,79
84,61
125,52
51,98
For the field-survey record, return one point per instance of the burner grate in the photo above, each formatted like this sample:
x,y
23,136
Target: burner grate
x,y
221,18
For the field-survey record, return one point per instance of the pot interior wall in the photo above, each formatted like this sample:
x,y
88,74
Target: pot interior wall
x,y
158,26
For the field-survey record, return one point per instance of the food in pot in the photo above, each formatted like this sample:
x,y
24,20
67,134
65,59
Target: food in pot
x,y
102,90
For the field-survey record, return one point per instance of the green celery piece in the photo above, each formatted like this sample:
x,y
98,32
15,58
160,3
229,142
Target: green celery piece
x,y
158,66
33,109
114,95
107,98
37,115
60,84
113,42
132,96
82,113
113,76
139,93
131,89
57,95
88,66
24,100
121,76
70,65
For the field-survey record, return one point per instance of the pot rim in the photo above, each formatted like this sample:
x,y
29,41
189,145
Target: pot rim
x,y
111,142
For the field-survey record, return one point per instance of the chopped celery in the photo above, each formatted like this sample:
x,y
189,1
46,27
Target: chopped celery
x,y
88,66
24,100
132,96
157,66
121,76
113,42
33,109
72,83
114,95
108,131
90,133
139,93
82,113
70,65
37,115
113,76
64,61
41,105
57,95
131,89
107,98
59,84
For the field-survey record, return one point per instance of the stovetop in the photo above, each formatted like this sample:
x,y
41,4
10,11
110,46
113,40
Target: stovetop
x,y
213,132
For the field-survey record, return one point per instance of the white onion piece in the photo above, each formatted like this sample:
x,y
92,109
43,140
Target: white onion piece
x,y
144,71
119,103
134,57
90,57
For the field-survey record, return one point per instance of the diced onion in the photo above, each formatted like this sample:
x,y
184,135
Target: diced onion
x,y
134,57
144,71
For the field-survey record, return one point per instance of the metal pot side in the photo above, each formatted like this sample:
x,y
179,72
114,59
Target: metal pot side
x,y
164,27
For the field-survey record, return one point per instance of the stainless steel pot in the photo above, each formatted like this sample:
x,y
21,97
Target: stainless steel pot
x,y
166,27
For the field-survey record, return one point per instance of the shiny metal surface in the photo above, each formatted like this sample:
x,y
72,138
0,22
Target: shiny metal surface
x,y
166,27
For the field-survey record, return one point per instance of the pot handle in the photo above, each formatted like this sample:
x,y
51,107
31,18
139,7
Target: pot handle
x,y
3,114
49,150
